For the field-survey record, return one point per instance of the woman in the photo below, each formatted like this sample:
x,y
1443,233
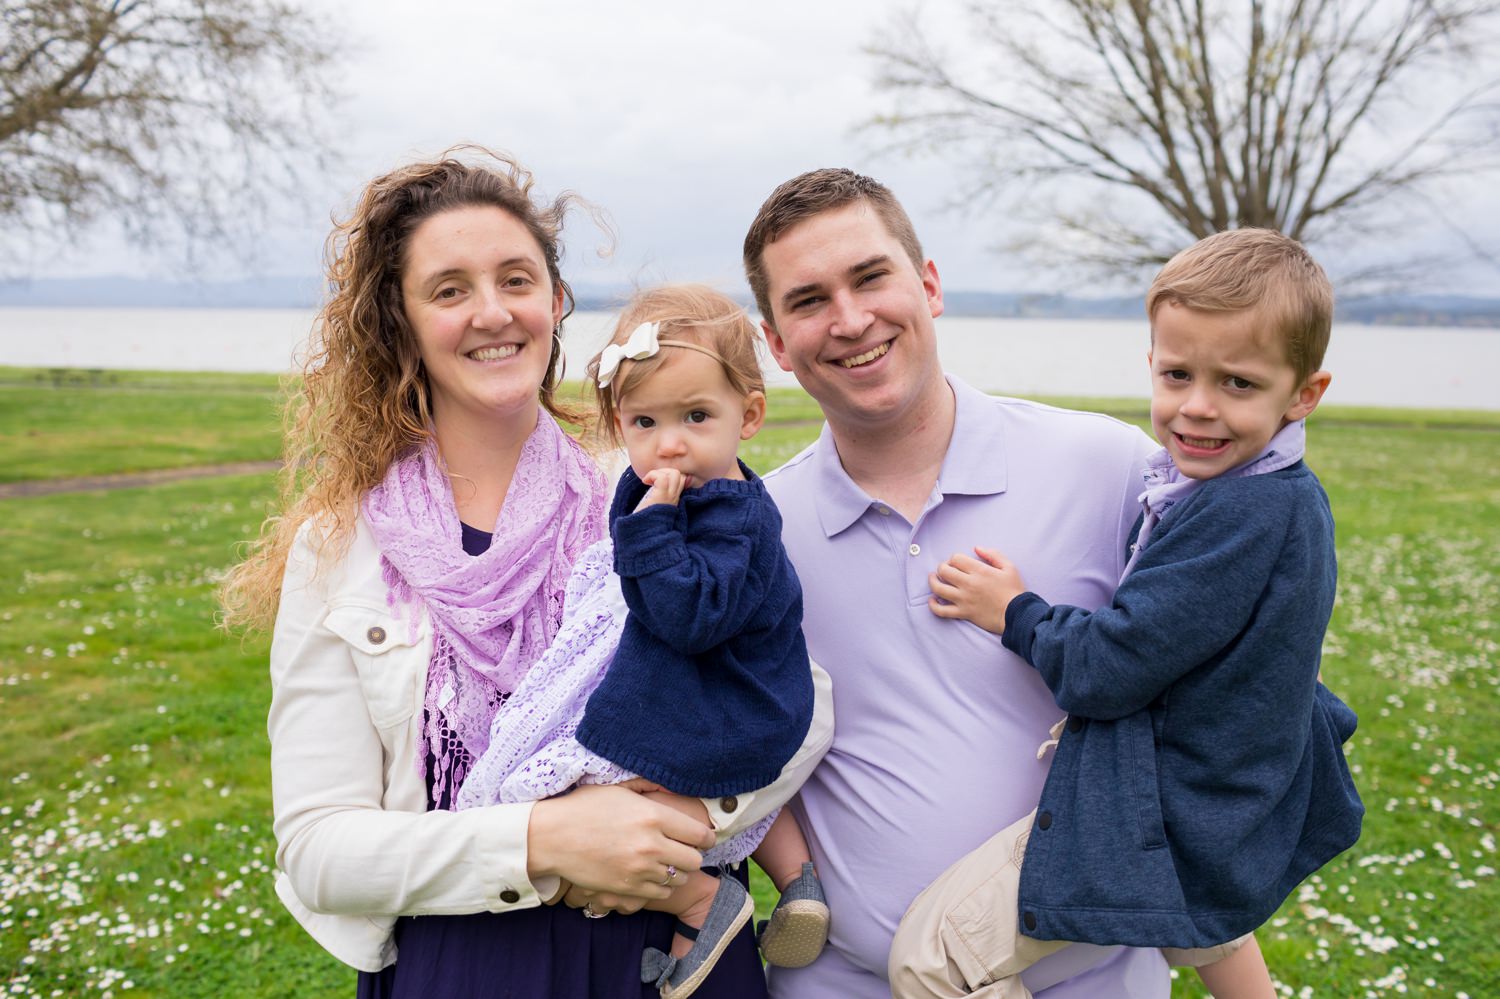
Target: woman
x,y
432,512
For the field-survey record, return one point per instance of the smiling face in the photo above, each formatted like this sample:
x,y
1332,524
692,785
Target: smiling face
x,y
852,319
685,415
1221,388
479,301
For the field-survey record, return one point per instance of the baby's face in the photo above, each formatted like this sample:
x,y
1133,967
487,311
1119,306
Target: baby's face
x,y
685,415
1220,388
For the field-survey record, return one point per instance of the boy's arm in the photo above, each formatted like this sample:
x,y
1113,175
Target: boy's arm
x,y
1193,591
692,597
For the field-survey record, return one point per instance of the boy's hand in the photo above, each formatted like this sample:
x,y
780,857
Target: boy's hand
x,y
976,590
666,487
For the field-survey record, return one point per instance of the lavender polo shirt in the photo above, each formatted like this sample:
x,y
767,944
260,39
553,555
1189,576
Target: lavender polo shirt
x,y
936,725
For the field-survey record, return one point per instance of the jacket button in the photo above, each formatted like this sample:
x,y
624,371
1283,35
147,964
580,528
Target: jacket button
x,y
730,803
1044,820
376,635
510,896
1030,920
1075,724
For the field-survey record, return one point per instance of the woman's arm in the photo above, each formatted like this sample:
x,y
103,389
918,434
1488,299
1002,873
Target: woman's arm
x,y
351,844
346,847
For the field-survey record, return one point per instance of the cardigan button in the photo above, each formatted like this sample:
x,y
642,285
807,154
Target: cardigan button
x,y
510,896
1030,920
1044,820
1075,724
730,803
376,635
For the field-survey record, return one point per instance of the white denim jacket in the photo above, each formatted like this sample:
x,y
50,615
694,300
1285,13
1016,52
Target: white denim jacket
x,y
355,845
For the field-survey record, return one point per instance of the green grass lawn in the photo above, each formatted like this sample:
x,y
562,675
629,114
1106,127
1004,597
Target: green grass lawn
x,y
134,760
130,421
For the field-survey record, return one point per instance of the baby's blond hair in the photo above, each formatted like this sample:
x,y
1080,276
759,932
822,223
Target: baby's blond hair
x,y
692,312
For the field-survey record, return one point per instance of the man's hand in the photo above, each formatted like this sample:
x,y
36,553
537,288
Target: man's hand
x,y
976,590
666,487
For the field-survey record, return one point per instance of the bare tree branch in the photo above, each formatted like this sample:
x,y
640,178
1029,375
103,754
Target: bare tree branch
x,y
1314,117
175,119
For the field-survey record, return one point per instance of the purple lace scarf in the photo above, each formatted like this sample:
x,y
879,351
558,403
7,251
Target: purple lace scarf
x,y
495,614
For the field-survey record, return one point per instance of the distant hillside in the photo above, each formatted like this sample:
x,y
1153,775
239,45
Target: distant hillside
x,y
306,292
1004,304
1422,310
103,292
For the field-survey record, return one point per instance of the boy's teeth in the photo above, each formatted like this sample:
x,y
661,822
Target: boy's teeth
x,y
493,353
1207,443
867,356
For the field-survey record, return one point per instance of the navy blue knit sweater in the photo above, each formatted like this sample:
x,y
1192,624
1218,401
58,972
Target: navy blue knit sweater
x,y
1202,774
710,691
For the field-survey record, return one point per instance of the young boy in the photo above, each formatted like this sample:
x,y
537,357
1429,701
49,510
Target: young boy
x,y
1200,776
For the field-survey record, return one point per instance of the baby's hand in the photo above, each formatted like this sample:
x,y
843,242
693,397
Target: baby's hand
x,y
974,590
666,487
641,785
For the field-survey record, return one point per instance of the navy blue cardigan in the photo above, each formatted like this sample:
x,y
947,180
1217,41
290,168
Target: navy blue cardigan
x,y
1201,776
710,691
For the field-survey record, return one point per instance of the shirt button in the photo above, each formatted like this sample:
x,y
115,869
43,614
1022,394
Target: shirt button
x,y
884,511
1075,724
510,896
1044,820
1030,920
376,635
730,803
915,549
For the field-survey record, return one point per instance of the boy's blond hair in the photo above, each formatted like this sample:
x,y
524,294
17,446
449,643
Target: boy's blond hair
x,y
1260,270
691,312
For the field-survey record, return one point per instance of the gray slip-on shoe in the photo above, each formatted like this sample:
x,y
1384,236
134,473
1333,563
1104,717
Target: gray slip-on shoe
x,y
678,978
798,928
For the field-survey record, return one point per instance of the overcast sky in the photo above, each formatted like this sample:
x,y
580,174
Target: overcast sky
x,y
677,117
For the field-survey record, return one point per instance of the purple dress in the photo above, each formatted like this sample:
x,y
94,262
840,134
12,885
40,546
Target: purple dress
x,y
546,951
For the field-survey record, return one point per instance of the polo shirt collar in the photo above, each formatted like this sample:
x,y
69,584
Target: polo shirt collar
x,y
975,463
973,466
840,502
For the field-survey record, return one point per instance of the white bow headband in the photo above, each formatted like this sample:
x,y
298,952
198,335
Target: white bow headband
x,y
642,343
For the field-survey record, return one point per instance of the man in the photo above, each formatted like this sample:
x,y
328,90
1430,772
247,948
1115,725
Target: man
x,y
937,727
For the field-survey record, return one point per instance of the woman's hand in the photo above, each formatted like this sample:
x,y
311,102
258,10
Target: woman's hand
x,y
614,845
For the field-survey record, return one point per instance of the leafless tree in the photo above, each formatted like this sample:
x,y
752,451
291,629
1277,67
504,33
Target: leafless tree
x,y
177,120
1137,126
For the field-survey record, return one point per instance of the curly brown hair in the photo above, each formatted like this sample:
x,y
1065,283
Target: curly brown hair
x,y
363,399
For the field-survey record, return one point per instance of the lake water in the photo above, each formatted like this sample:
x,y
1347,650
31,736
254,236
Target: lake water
x,y
1430,367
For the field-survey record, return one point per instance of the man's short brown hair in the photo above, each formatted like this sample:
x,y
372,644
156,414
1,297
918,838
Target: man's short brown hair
x,y
814,193
1260,270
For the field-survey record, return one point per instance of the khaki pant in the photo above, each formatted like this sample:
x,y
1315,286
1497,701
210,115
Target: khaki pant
x,y
960,935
